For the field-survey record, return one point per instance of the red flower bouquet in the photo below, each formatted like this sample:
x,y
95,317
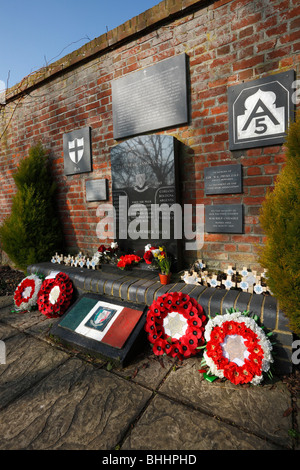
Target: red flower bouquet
x,y
128,260
55,295
175,325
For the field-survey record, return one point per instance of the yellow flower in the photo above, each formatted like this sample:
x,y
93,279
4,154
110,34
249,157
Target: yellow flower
x,y
161,248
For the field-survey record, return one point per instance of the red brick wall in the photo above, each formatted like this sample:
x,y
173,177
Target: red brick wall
x,y
227,42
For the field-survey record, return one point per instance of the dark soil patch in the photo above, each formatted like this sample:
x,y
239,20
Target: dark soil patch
x,y
9,279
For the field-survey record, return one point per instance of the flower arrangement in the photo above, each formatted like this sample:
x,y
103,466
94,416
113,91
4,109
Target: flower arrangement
x,y
175,325
150,254
26,293
158,257
236,349
55,295
105,254
128,260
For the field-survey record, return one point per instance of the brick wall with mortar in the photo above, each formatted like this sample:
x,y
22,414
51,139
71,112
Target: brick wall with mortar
x,y
227,42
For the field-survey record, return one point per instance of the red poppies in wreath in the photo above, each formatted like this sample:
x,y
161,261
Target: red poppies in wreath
x,y
55,295
175,325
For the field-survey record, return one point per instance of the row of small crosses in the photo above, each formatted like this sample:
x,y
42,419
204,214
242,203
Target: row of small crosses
x,y
251,282
79,261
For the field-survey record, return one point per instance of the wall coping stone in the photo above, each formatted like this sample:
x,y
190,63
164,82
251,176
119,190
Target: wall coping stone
x,y
165,11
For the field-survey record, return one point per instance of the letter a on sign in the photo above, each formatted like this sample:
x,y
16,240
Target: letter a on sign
x,y
259,111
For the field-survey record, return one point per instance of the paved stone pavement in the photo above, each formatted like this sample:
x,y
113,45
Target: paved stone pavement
x,y
57,398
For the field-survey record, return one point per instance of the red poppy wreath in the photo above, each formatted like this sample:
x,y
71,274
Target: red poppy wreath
x,y
55,295
237,348
25,296
175,325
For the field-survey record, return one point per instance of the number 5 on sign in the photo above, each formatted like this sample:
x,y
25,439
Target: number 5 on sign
x,y
2,353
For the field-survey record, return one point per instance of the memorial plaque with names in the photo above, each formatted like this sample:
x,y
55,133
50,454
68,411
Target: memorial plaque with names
x,y
225,179
224,218
144,173
96,190
77,151
150,99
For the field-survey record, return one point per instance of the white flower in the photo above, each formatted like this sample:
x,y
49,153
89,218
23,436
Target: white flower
x,y
114,245
148,247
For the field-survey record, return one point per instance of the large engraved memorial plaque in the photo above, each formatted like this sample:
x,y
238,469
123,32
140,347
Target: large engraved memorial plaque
x,y
150,99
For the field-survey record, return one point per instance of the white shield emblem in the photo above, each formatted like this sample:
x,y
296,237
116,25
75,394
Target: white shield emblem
x,y
76,148
140,180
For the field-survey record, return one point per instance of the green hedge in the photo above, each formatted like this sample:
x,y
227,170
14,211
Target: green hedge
x,y
32,232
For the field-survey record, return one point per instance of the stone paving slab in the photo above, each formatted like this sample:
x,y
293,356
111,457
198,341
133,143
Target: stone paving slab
x,y
256,409
27,361
74,407
22,319
147,369
6,331
167,425
56,398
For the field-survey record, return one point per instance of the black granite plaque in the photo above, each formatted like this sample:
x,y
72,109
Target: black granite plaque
x,y
77,151
152,98
224,218
260,111
96,190
225,179
144,191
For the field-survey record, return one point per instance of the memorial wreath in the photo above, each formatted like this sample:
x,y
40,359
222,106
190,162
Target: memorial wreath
x,y
175,325
26,293
236,348
55,295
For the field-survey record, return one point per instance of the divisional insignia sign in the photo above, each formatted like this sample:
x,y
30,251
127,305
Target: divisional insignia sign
x,y
77,151
260,111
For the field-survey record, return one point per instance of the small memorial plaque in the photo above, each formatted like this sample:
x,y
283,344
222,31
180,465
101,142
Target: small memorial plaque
x,y
150,99
102,327
77,151
260,111
225,179
224,218
96,190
